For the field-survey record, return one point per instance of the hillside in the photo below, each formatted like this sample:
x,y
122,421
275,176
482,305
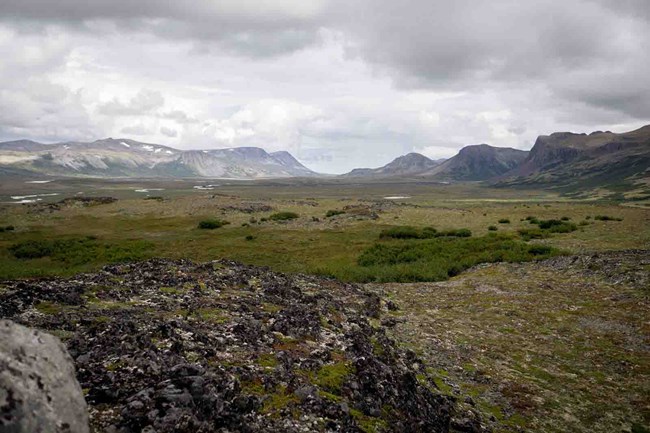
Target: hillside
x,y
479,162
569,160
128,158
411,164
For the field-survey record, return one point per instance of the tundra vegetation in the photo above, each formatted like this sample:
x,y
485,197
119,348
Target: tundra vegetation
x,y
540,322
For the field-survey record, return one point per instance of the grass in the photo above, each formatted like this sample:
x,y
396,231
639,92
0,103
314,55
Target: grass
x,y
330,246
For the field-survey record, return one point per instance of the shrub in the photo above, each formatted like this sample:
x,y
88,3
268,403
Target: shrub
x,y
79,251
528,234
532,219
565,218
250,237
408,232
334,212
212,224
401,232
9,228
504,221
459,233
557,226
441,257
283,216
607,218
492,228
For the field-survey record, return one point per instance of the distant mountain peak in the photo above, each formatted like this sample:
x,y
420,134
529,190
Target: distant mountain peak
x,y
122,157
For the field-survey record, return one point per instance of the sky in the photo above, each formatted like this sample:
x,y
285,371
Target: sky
x,y
339,84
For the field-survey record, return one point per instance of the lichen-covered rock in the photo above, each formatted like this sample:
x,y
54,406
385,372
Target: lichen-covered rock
x,y
38,388
174,346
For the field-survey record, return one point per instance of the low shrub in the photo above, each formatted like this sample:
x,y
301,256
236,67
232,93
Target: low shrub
x,y
607,218
441,257
283,216
532,219
492,228
212,224
249,237
79,251
334,212
557,226
408,232
528,234
504,221
565,218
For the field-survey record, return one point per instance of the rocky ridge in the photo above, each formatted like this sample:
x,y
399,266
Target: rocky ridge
x,y
164,346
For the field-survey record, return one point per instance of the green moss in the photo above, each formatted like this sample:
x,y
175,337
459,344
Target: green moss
x,y
171,290
47,307
368,424
212,315
267,360
278,401
331,377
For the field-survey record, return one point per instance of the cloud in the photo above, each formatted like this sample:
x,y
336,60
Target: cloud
x,y
168,132
138,129
144,102
340,84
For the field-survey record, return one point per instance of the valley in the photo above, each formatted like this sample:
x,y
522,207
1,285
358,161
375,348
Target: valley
x,y
554,342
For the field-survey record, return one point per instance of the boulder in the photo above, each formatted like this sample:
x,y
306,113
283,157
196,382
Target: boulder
x,y
38,388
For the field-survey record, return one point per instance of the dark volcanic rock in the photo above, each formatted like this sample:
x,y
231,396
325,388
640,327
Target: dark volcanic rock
x,y
173,346
38,388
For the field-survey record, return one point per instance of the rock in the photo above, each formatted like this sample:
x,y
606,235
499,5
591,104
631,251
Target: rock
x,y
38,388
176,346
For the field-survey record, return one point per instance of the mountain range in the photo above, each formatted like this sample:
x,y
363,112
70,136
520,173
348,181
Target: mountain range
x,y
560,160
128,158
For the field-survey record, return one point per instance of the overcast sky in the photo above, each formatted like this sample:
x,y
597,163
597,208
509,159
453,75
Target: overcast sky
x,y
340,84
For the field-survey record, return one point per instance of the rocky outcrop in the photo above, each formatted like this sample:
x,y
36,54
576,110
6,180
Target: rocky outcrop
x,y
38,388
174,346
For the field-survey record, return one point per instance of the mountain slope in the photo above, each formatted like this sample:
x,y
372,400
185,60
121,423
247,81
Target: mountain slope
x,y
571,160
407,165
128,158
478,162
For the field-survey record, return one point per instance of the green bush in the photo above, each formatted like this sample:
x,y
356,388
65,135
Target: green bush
x,y
408,232
565,218
401,232
334,212
250,237
212,224
607,218
504,221
528,234
532,219
557,226
441,257
283,216
79,251
492,228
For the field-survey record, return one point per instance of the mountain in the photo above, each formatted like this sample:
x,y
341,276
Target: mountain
x,y
128,158
478,162
411,164
565,159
